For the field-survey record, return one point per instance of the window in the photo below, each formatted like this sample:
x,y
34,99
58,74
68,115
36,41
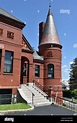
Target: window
x,y
24,69
8,62
1,32
0,58
50,71
10,35
37,71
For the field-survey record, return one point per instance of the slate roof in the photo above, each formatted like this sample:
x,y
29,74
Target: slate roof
x,y
6,14
37,56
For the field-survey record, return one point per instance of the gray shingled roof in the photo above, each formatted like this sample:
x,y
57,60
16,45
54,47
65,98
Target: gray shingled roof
x,y
36,56
6,14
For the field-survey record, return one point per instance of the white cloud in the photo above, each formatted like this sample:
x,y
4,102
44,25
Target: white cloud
x,y
71,62
75,45
66,70
64,66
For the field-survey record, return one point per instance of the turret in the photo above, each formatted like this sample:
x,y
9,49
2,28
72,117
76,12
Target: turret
x,y
50,48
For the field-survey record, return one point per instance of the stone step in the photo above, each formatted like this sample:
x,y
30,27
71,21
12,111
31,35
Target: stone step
x,y
38,99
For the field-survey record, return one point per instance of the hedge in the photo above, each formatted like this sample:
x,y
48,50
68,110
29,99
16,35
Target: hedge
x,y
70,93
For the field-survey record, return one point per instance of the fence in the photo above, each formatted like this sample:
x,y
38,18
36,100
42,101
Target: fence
x,y
65,102
69,104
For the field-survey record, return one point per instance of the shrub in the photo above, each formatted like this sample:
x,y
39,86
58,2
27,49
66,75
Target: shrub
x,y
74,93
70,93
67,93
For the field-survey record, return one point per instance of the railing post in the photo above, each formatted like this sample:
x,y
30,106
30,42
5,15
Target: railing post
x,y
33,99
33,83
56,95
49,92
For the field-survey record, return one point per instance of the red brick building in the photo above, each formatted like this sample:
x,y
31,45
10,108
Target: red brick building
x,y
20,64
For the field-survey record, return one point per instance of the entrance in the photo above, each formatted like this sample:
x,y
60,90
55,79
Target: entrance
x,y
24,70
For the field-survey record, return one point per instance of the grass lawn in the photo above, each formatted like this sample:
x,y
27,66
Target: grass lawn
x,y
16,106
75,100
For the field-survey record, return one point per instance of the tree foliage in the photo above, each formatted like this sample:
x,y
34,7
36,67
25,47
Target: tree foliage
x,y
73,75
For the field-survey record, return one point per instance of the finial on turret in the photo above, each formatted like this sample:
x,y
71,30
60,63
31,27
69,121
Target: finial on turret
x,y
49,12
49,3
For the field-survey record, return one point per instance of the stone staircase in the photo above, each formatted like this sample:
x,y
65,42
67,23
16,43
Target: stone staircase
x,y
33,95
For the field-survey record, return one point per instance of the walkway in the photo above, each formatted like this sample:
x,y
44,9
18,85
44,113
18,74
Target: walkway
x,y
45,110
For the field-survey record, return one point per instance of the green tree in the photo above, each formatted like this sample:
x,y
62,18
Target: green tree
x,y
73,75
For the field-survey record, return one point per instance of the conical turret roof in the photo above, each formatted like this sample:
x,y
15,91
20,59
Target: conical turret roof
x,y
50,33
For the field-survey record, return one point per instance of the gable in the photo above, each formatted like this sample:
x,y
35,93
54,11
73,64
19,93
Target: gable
x,y
25,44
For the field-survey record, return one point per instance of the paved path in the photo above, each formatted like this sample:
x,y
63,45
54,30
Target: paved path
x,y
44,110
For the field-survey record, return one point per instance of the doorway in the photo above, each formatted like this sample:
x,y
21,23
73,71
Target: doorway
x,y
24,70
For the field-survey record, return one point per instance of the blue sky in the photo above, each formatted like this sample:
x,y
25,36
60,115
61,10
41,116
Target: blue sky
x,y
32,12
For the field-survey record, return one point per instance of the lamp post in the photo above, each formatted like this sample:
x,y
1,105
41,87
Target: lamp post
x,y
50,92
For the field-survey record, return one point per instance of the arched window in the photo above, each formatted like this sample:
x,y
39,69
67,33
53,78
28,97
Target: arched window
x,y
49,54
51,71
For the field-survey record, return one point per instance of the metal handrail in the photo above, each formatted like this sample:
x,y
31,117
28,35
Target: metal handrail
x,y
29,90
41,87
32,94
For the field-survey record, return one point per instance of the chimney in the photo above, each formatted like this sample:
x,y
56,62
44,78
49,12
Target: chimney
x,y
41,28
